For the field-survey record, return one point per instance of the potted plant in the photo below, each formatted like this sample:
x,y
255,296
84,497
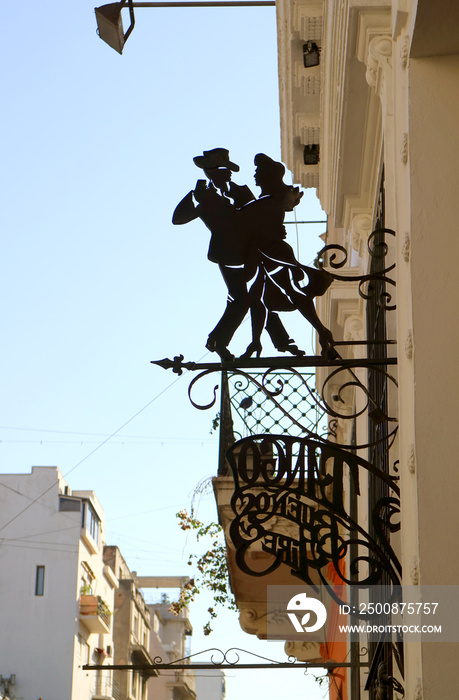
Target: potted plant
x,y
88,602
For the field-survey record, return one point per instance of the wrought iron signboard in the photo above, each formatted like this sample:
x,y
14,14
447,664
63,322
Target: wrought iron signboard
x,y
298,491
285,483
297,478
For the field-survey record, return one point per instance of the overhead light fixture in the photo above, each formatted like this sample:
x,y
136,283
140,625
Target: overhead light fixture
x,y
311,54
110,23
311,154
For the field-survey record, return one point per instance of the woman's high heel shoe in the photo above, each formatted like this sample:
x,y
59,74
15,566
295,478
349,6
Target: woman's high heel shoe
x,y
253,347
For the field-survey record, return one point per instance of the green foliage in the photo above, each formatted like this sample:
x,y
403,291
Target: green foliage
x,y
215,423
212,570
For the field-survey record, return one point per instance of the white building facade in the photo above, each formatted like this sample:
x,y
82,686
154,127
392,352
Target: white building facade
x,y
210,684
56,593
380,109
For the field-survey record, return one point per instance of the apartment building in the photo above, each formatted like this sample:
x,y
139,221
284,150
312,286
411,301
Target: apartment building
x,y
56,592
170,641
66,598
210,684
386,85
131,629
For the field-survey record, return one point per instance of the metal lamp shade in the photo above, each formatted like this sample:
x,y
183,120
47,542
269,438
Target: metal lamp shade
x,y
110,24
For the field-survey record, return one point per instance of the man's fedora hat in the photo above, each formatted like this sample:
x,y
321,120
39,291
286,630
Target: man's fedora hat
x,y
216,158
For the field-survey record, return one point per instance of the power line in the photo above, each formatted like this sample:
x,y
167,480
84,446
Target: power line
x,y
68,550
94,450
27,497
146,512
157,438
38,534
126,443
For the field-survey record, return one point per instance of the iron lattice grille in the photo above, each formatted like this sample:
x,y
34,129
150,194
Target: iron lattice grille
x,y
280,401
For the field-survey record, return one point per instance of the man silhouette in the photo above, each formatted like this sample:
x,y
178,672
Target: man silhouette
x,y
216,202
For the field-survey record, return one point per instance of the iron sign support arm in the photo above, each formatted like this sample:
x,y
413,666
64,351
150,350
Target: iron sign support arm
x,y
210,3
187,667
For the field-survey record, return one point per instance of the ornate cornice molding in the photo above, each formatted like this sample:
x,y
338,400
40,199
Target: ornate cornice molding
x,y
404,51
303,651
299,87
404,148
254,619
374,47
409,345
360,229
412,460
307,19
418,690
377,61
406,247
354,328
414,572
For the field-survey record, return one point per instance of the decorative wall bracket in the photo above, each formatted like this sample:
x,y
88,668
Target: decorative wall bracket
x,y
178,363
219,660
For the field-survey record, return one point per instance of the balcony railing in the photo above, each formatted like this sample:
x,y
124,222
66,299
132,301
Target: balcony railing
x,y
95,613
105,689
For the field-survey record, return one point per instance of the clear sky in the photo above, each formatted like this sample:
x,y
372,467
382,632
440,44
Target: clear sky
x,y
96,152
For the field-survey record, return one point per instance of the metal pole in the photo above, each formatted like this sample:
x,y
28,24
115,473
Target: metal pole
x,y
178,365
319,221
211,3
208,666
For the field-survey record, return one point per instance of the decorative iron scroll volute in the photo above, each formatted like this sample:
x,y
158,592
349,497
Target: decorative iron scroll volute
x,y
290,498
219,659
372,284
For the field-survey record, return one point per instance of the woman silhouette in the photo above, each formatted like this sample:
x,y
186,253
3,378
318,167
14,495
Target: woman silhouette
x,y
278,288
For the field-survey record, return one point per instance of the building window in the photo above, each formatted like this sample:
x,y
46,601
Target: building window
x,y
40,580
134,684
155,622
69,504
88,574
83,650
90,521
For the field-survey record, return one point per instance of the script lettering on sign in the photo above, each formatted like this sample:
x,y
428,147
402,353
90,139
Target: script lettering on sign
x,y
291,501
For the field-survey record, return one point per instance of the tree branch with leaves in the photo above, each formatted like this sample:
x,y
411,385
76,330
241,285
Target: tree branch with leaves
x,y
212,571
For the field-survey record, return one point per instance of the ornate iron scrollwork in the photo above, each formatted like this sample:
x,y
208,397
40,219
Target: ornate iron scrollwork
x,y
297,486
300,484
385,683
335,256
268,391
219,659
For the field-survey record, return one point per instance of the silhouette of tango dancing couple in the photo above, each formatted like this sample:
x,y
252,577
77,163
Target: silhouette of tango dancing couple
x,y
248,244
